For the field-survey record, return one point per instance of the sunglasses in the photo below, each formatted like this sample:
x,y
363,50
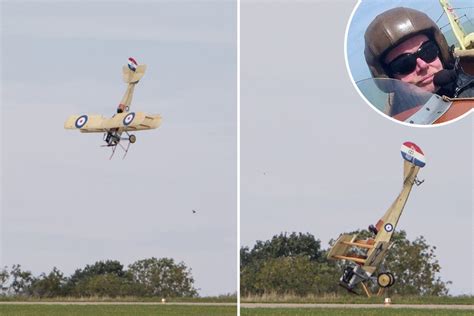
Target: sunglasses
x,y
406,63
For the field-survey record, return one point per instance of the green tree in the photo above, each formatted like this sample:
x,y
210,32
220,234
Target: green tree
x,y
297,275
104,285
76,284
4,277
50,285
162,277
291,263
100,268
21,280
283,245
415,267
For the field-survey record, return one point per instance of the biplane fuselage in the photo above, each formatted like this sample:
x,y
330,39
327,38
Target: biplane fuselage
x,y
124,121
366,255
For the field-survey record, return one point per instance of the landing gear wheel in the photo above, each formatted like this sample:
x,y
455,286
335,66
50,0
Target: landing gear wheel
x,y
132,139
385,279
392,279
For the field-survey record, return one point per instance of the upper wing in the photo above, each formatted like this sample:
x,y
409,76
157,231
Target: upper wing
x,y
86,123
128,121
361,251
341,249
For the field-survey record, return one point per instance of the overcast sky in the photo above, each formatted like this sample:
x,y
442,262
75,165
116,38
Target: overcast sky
x,y
64,203
316,158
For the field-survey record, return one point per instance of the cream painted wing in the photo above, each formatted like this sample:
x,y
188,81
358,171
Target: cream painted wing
x,y
128,121
86,123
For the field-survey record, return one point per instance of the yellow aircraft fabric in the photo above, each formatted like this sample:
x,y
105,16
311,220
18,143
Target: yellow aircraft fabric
x,y
128,121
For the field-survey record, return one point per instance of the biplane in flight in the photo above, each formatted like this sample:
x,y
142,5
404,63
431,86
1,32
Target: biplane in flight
x,y
124,121
365,256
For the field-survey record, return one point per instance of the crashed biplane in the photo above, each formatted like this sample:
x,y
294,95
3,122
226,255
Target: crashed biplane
x,y
365,256
124,121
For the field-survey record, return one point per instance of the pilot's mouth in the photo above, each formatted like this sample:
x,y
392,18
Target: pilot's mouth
x,y
425,80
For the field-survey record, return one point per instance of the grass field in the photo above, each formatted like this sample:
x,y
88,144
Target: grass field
x,y
99,310
354,299
121,299
350,312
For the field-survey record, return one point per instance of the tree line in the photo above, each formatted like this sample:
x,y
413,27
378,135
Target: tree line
x,y
286,264
296,264
150,277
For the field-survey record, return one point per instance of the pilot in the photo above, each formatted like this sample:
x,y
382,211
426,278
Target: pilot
x,y
121,108
405,44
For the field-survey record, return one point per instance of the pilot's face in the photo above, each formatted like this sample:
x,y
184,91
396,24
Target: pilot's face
x,y
415,61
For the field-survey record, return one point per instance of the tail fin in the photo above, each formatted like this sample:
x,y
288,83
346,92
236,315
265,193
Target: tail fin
x,y
132,73
414,157
413,154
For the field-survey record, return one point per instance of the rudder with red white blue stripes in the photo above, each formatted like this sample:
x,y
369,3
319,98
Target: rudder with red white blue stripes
x,y
411,152
132,64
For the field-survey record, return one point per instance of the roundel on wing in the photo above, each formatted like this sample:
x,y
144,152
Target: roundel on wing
x,y
81,121
128,118
388,227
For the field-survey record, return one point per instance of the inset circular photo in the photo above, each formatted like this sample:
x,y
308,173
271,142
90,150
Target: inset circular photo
x,y
413,61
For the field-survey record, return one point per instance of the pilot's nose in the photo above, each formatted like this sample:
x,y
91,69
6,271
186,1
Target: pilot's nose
x,y
421,64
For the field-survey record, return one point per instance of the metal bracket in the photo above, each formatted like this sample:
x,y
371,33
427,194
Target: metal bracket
x,y
430,111
418,182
